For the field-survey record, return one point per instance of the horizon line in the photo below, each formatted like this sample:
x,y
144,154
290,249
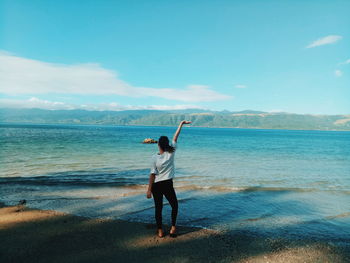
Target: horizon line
x,y
172,110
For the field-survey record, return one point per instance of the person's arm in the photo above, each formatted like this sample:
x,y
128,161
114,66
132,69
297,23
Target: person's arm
x,y
152,177
177,133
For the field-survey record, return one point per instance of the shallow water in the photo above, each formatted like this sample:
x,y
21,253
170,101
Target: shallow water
x,y
266,182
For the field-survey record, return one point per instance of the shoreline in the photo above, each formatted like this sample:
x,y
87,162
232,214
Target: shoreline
x,y
169,126
33,235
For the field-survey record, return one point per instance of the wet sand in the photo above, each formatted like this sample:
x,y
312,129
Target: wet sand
x,y
31,235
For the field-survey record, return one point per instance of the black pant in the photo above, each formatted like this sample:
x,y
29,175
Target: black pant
x,y
158,190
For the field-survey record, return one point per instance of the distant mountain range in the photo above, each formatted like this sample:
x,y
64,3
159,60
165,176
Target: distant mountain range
x,y
201,118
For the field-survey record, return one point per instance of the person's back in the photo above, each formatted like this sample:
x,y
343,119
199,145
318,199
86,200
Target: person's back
x,y
163,165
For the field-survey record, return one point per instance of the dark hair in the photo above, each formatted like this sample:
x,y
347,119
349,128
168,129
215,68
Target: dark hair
x,y
163,143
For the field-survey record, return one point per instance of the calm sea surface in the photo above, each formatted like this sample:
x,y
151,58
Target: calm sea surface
x,y
286,183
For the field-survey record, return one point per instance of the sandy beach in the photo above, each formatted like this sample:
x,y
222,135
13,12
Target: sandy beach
x,y
31,235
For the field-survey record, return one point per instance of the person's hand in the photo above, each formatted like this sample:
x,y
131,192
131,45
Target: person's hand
x,y
149,194
186,122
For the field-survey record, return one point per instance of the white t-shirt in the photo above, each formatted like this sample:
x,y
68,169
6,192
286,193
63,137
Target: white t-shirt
x,y
163,165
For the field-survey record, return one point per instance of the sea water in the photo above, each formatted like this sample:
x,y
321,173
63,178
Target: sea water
x,y
290,183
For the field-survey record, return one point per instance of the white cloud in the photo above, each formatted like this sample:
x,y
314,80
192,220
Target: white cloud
x,y
193,93
276,111
345,62
325,41
35,102
174,107
240,86
338,73
27,76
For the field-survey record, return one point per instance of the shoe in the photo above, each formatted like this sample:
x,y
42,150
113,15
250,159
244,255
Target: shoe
x,y
160,235
173,234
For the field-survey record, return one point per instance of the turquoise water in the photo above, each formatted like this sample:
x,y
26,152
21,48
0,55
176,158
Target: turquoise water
x,y
263,182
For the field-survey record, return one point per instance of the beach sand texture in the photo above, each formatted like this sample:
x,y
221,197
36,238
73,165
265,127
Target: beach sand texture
x,y
31,235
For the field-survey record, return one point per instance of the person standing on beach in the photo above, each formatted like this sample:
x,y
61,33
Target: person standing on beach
x,y
161,180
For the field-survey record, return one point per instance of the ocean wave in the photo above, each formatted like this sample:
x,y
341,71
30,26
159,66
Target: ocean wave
x,y
138,180
254,219
342,215
46,180
192,177
219,188
82,178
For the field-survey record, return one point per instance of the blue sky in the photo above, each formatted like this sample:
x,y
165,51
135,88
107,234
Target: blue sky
x,y
291,56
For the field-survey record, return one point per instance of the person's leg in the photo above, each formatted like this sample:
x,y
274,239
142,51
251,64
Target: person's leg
x,y
158,202
170,195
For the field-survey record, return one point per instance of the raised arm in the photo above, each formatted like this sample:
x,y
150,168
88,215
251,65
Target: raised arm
x,y
177,133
